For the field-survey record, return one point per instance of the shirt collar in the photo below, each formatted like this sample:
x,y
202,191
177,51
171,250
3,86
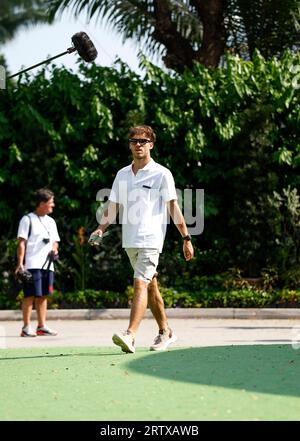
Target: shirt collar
x,y
148,167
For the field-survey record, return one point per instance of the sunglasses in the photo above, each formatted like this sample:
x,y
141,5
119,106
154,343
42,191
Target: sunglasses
x,y
141,141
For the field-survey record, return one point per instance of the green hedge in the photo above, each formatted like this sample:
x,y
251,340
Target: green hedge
x,y
243,298
232,131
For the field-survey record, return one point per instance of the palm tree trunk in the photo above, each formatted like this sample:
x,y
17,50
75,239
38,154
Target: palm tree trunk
x,y
214,33
179,52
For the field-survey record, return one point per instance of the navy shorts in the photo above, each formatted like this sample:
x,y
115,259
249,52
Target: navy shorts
x,y
42,284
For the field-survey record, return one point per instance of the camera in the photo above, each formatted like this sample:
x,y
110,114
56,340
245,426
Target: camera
x,y
24,276
46,240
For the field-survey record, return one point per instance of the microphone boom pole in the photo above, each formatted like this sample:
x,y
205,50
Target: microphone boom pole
x,y
71,49
82,44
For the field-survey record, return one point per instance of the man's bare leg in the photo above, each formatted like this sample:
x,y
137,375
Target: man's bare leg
x,y
41,310
27,310
139,305
165,336
156,304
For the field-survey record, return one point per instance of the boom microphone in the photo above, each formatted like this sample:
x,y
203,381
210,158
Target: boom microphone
x,y
82,44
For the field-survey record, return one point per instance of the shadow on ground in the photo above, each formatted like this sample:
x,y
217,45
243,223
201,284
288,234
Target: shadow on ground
x,y
271,369
243,382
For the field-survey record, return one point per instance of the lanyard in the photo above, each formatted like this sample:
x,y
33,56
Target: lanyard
x,y
43,225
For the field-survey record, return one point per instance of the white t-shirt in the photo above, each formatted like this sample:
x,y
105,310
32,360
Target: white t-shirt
x,y
143,209
42,227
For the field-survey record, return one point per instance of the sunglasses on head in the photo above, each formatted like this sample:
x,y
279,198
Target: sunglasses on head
x,y
138,140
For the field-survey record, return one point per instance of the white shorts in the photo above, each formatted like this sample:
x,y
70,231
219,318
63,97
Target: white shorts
x,y
144,262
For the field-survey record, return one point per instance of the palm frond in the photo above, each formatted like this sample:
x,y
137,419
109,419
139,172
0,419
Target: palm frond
x,y
135,19
15,14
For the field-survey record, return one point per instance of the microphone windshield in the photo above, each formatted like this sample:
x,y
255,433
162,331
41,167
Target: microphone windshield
x,y
84,46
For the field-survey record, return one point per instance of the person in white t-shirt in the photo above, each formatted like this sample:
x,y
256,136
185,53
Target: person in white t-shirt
x,y
37,249
144,192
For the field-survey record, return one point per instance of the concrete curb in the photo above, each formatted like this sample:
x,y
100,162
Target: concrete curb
x,y
181,313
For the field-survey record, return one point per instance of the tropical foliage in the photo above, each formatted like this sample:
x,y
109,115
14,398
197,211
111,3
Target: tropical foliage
x,y
15,14
233,131
183,31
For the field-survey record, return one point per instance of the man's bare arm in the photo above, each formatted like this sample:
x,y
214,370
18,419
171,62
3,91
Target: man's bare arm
x,y
178,219
20,254
108,217
55,247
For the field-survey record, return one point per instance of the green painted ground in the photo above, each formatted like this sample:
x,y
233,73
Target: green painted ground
x,y
214,383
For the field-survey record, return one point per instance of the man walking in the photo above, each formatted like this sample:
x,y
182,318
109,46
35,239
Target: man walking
x,y
37,248
144,192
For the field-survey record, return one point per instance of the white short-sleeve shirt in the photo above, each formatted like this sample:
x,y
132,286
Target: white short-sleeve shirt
x,y
143,209
42,227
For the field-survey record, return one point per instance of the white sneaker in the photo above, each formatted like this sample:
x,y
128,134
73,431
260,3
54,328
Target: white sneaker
x,y
45,330
163,340
125,340
27,331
